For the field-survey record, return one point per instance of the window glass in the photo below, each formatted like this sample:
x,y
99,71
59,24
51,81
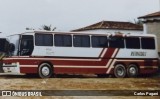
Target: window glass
x,y
148,43
81,41
63,40
132,43
116,42
27,45
4,45
99,41
43,39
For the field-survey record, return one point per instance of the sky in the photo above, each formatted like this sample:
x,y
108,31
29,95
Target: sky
x,y
66,15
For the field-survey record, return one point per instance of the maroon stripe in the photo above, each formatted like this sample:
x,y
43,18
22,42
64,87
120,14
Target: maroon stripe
x,y
80,70
101,52
103,62
28,69
109,53
112,60
148,71
153,63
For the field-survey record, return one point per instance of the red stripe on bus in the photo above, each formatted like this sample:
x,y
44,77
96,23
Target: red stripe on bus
x,y
28,69
98,62
80,70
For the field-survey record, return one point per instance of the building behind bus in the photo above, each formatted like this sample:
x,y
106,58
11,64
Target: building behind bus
x,y
152,25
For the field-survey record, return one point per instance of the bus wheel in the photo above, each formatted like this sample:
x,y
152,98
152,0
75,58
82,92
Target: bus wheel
x,y
120,71
45,70
132,70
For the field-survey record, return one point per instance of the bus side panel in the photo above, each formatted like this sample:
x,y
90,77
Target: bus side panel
x,y
80,70
28,69
149,66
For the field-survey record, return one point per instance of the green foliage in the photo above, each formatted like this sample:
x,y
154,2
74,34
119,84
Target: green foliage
x,y
43,27
48,28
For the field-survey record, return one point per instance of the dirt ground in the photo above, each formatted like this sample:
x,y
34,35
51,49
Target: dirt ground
x,y
80,82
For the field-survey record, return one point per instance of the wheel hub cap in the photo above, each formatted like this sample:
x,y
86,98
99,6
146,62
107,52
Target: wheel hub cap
x,y
132,70
120,72
45,71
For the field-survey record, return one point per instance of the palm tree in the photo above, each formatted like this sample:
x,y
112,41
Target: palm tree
x,y
48,28
43,27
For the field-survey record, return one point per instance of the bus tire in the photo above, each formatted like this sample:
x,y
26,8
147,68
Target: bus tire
x,y
132,70
120,71
45,70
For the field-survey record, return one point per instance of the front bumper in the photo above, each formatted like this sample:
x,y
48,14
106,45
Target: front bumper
x,y
11,68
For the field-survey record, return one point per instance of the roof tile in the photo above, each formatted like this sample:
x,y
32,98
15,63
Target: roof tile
x,y
112,25
156,14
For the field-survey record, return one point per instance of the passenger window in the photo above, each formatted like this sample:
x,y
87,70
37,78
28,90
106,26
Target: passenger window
x,y
43,39
63,40
99,41
148,43
132,43
81,41
116,42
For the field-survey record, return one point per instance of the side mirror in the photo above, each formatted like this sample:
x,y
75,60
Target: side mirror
x,y
11,47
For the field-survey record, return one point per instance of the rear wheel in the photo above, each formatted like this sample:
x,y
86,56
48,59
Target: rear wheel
x,y
45,70
120,71
132,70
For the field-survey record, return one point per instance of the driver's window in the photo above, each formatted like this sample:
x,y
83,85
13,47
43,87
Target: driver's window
x,y
26,47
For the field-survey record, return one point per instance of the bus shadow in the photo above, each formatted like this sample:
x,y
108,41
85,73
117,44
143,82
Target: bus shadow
x,y
65,76
18,76
35,76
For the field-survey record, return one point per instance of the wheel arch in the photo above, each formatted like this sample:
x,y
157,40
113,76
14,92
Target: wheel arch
x,y
120,63
45,62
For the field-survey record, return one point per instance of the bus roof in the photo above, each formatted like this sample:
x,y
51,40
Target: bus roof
x,y
87,33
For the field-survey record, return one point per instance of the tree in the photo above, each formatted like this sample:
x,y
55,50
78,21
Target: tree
x,y
138,22
43,27
47,28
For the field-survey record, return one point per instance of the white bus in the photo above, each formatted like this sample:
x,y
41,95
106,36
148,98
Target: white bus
x,y
47,53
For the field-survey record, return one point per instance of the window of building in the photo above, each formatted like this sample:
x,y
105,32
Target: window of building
x,y
132,43
81,41
63,40
99,41
148,43
116,42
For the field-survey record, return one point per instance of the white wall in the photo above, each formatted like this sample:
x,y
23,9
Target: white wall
x,y
113,31
154,28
